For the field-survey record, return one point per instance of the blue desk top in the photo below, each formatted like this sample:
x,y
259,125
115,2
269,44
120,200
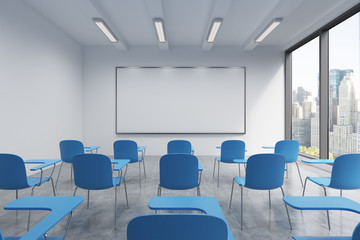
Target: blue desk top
x,y
120,163
43,163
244,161
268,147
219,147
141,148
91,148
208,205
318,161
322,203
60,207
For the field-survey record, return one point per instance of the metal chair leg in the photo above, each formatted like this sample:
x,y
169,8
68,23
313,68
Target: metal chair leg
x,y
269,200
287,211
327,211
53,187
239,170
126,196
232,190
218,174
57,179
198,191
71,173
340,192
303,193
159,191
297,165
214,168
88,198
144,167
140,174
17,194
242,204
115,206
75,191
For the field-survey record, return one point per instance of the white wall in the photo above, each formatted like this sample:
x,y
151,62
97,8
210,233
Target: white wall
x,y
40,83
265,95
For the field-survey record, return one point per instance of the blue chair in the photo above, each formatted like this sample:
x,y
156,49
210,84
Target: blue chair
x,y
263,172
344,175
355,236
179,172
13,176
290,150
179,146
128,149
94,172
177,227
230,150
68,150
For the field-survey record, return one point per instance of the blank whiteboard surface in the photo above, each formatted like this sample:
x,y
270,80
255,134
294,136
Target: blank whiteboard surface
x,y
180,100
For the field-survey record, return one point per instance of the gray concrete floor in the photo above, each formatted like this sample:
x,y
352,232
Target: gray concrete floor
x,y
260,222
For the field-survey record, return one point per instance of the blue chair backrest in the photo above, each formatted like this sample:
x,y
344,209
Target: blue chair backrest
x,y
356,233
232,149
126,149
289,149
265,171
177,227
179,146
92,171
69,149
346,172
179,171
12,172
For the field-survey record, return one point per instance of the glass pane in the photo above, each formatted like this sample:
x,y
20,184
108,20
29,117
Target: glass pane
x,y
344,87
305,97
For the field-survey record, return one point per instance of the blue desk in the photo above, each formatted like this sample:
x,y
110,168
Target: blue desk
x,y
120,163
43,163
318,161
59,208
219,147
268,147
240,161
91,148
207,205
322,203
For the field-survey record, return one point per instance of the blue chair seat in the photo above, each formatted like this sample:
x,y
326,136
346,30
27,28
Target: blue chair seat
x,y
322,181
240,181
36,180
117,181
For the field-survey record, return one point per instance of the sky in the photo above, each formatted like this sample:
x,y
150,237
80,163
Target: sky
x,y
344,41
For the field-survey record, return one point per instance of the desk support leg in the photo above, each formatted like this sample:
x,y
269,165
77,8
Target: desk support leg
x,y
232,190
57,179
303,193
29,216
68,224
327,211
287,210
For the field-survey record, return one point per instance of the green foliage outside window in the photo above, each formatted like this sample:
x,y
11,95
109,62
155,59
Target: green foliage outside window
x,y
313,151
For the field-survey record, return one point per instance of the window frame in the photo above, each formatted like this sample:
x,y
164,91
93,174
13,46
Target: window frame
x,y
323,34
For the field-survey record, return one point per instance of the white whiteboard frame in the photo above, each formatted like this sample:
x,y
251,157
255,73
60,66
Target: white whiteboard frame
x,y
130,132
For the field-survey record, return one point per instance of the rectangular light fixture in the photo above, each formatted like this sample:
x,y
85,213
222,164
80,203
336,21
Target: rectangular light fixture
x,y
105,29
214,29
159,27
274,23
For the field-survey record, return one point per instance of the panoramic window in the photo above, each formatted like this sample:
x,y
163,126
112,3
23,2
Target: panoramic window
x,y
305,97
344,107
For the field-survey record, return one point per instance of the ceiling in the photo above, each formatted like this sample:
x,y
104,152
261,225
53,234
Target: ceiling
x,y
187,22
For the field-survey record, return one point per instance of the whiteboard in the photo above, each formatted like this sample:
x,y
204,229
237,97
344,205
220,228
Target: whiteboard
x,y
180,100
